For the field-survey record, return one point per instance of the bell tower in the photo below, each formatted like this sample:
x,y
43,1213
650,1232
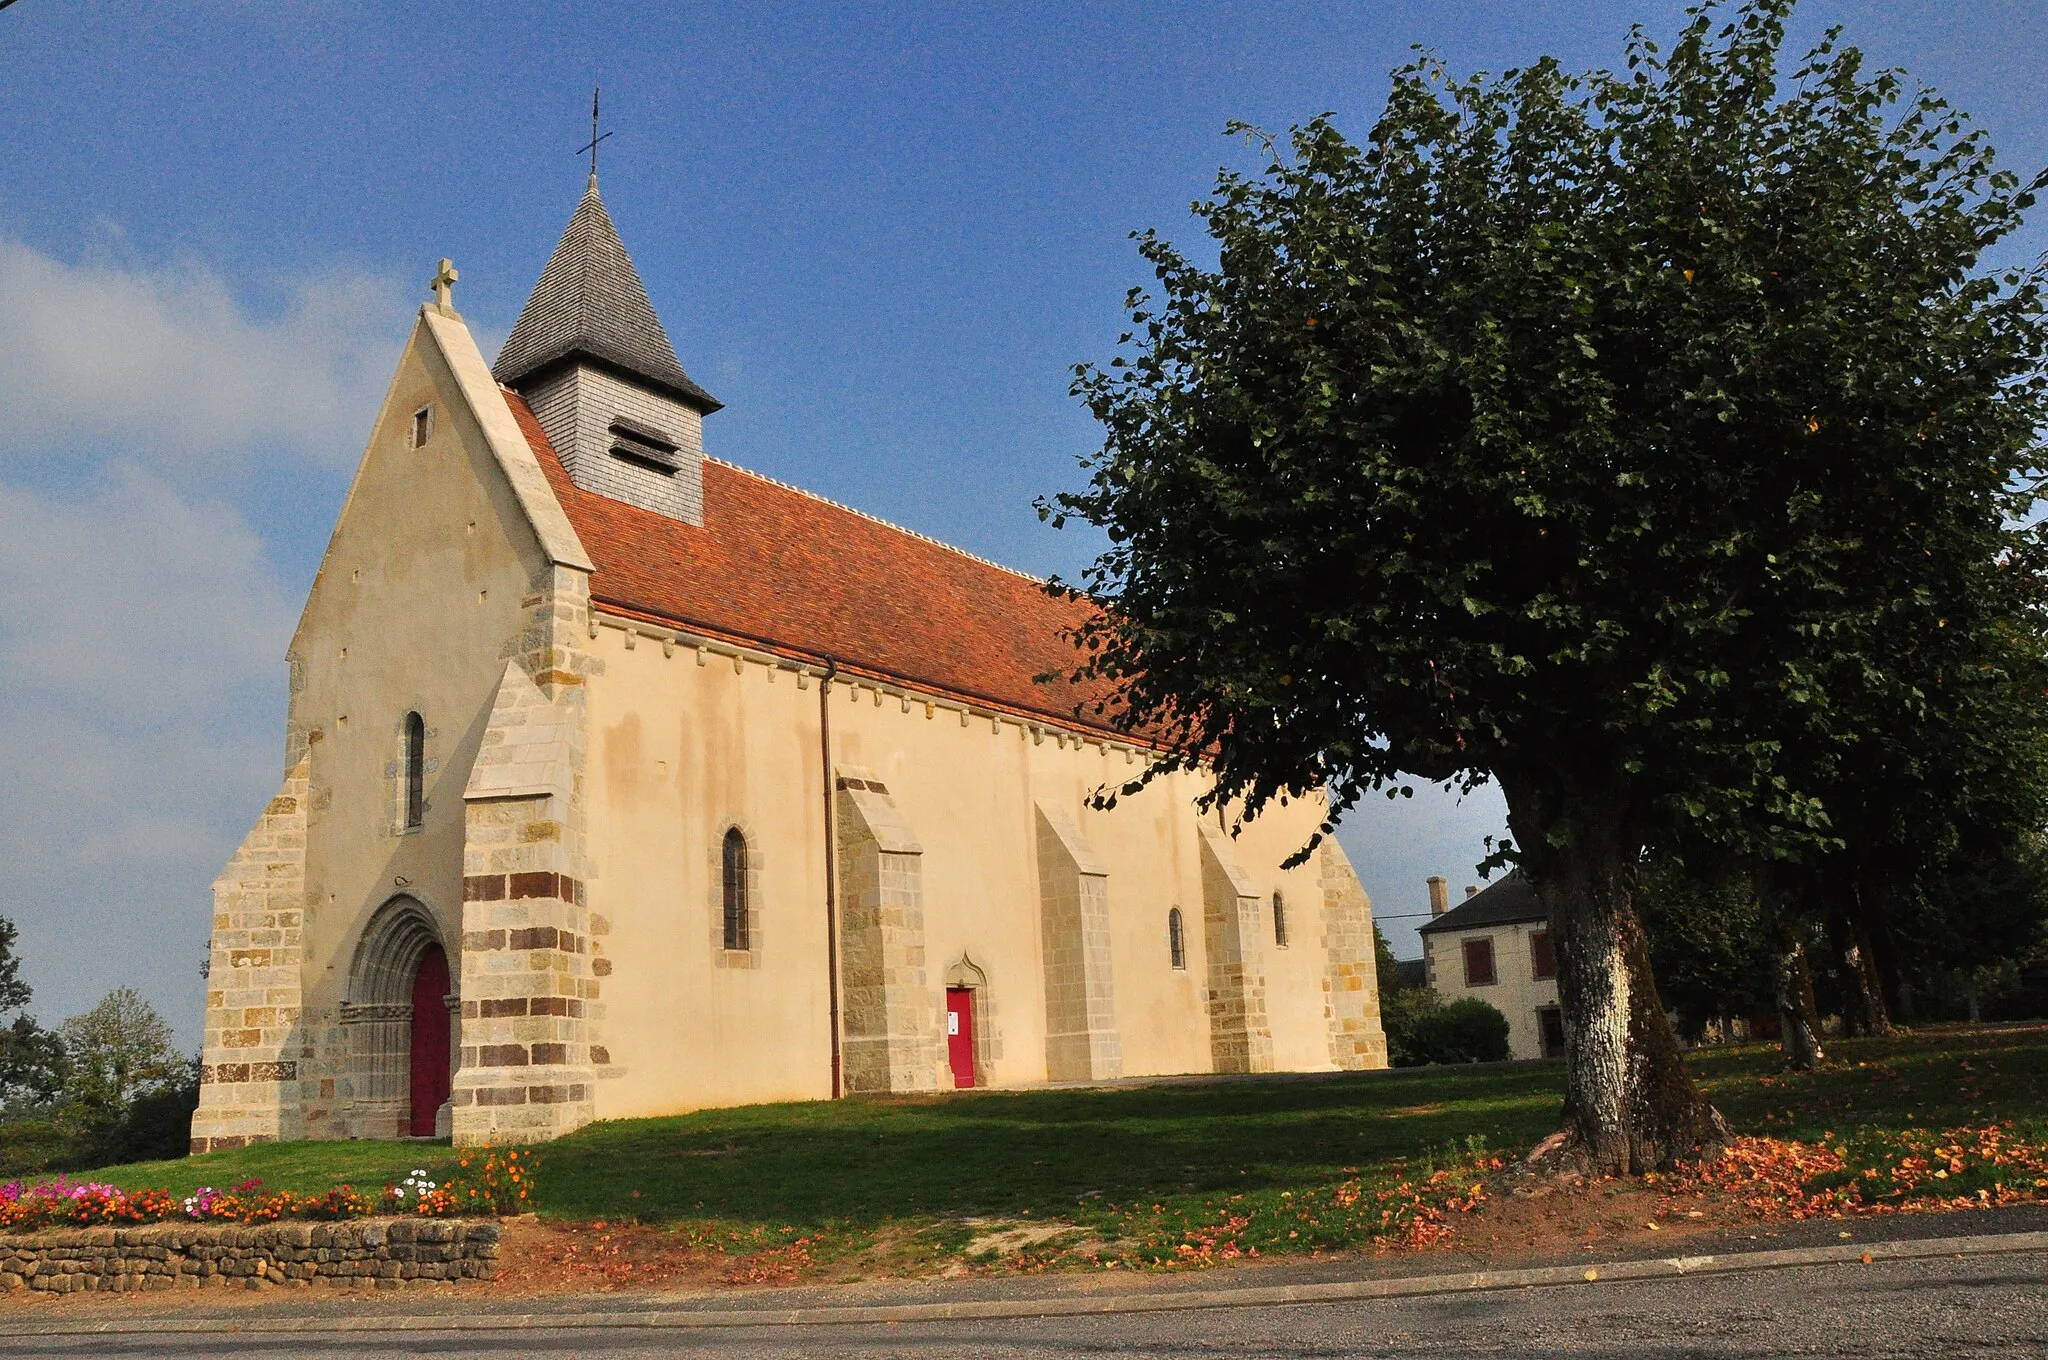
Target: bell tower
x,y
591,358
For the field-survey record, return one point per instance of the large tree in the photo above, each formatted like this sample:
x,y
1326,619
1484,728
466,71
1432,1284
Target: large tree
x,y
1567,434
32,1067
119,1050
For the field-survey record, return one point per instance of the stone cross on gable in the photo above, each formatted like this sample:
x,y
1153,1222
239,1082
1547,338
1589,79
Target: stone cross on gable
x,y
444,287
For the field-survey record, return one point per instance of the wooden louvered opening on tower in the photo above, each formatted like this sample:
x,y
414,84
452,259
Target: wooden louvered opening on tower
x,y
645,446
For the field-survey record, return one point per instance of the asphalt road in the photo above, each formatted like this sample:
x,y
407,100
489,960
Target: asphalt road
x,y
1982,1306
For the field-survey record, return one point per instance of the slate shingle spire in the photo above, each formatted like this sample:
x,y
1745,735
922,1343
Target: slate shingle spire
x,y
591,306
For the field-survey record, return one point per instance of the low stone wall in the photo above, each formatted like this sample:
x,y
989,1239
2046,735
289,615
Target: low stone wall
x,y
381,1253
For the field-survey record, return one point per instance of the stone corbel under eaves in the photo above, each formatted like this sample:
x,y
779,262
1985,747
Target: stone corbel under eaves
x,y
702,648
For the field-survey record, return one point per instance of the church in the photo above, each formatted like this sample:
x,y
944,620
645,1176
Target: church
x,y
622,781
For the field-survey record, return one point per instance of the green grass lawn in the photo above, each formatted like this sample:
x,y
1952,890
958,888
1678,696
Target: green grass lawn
x,y
1184,1154
1024,1152
1935,1079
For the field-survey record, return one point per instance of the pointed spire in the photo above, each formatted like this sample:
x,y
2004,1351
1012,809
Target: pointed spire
x,y
590,305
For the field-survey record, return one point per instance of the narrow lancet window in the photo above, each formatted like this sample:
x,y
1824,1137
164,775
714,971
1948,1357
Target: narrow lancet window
x,y
1279,920
415,772
736,932
1176,939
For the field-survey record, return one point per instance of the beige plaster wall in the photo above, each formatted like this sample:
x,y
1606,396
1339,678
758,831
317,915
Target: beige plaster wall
x,y
678,754
417,602
1518,993
681,750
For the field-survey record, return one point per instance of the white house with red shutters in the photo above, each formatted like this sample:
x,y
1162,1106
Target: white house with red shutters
x,y
1495,945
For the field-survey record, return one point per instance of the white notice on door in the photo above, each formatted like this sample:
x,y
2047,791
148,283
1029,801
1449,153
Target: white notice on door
x,y
952,1023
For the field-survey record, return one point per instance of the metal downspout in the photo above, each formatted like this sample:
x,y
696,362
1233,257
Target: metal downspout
x,y
831,866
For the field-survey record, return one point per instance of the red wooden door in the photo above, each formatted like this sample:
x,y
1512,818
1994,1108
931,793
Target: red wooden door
x,y
429,1041
960,1035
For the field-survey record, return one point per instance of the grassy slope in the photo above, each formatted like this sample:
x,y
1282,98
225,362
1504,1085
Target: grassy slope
x,y
860,1164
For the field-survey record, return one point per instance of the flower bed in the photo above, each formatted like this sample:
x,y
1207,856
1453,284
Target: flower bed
x,y
490,1184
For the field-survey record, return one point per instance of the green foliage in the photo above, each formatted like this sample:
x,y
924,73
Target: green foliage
x,y
1707,945
1421,1029
34,1140
14,992
1570,432
118,1051
1401,1012
1644,441
32,1064
155,1126
1982,923
1385,965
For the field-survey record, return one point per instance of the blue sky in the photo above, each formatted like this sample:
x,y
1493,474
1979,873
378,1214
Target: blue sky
x,y
880,233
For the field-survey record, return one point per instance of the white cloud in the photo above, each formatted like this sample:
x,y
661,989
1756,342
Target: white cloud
x,y
143,619
142,637
168,364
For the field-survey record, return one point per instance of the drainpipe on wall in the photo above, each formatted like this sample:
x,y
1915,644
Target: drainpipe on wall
x,y
831,866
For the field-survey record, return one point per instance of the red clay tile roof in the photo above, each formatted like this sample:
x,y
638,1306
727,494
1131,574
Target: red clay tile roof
x,y
784,571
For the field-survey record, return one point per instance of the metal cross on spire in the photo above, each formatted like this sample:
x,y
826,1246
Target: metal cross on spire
x,y
595,91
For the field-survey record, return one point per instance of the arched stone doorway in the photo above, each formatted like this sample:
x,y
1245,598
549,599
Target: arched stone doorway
x,y
967,988
398,1020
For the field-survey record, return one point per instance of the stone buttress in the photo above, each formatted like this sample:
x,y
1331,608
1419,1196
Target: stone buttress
x,y
249,1078
1351,991
1081,1039
1240,1034
528,993
890,1038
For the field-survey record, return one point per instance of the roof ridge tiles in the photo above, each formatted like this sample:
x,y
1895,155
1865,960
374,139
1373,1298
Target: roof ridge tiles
x,y
876,519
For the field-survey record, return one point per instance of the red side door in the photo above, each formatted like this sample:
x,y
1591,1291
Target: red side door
x,y
429,1041
960,1035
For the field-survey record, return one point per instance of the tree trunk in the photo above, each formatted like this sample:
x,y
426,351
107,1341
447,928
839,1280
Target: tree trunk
x,y
1792,989
1873,984
1881,949
1791,980
1863,1008
1630,1104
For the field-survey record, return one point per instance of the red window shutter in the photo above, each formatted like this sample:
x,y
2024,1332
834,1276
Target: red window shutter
x,y
1542,958
1479,963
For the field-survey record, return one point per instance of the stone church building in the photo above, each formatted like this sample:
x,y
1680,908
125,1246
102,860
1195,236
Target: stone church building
x,y
622,781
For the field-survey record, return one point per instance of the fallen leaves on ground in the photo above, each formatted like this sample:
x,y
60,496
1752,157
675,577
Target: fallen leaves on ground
x,y
1877,1171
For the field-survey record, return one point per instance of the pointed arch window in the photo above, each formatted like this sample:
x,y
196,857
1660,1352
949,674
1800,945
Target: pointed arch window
x,y
737,934
1176,939
415,772
1279,920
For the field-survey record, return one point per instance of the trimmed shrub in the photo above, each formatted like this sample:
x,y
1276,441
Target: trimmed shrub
x,y
156,1128
1421,1030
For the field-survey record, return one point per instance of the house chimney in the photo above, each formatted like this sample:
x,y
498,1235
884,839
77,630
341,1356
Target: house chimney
x,y
1471,890
1439,895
